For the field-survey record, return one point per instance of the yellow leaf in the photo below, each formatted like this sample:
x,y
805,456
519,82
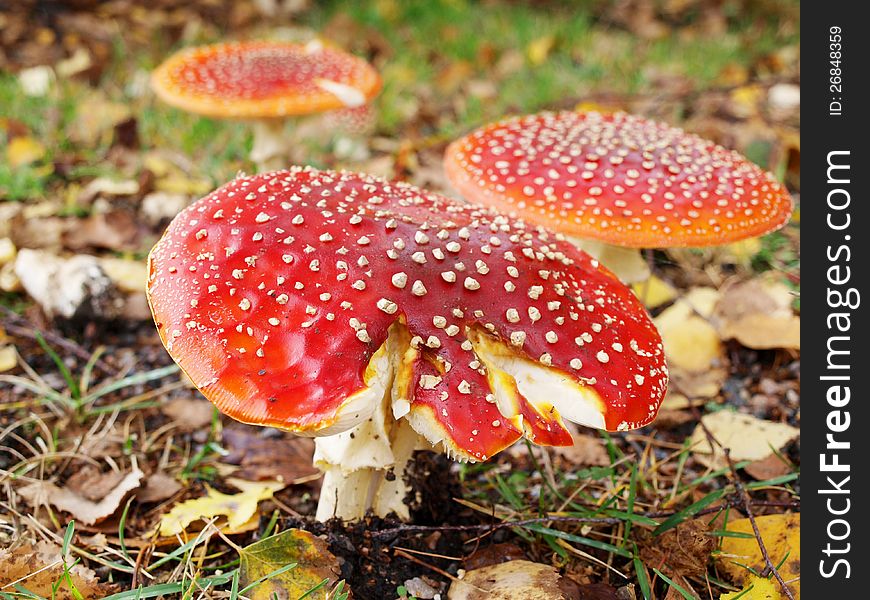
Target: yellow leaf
x,y
703,300
756,588
762,331
691,343
781,534
748,437
654,292
128,275
24,151
8,358
588,106
742,252
314,563
538,50
238,508
745,100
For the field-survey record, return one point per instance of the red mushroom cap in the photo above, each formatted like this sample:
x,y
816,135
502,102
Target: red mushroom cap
x,y
264,79
275,292
618,178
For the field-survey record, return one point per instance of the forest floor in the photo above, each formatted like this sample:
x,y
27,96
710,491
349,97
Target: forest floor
x,y
101,437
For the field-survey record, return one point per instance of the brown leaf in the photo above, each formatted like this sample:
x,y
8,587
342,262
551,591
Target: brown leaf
x,y
768,468
189,413
758,314
116,230
27,564
587,450
285,458
92,484
83,510
158,487
493,554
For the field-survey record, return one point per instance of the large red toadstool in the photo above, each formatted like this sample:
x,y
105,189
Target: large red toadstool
x,y
617,180
266,81
383,318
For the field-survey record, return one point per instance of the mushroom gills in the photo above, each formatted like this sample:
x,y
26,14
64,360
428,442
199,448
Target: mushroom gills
x,y
552,394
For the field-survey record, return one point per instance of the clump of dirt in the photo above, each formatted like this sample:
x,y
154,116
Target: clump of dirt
x,y
433,484
683,550
372,564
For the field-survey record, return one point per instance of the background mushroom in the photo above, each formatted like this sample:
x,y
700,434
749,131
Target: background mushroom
x,y
387,318
267,82
617,181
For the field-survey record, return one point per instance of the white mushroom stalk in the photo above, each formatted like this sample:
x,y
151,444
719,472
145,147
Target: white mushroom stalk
x,y
271,146
364,467
628,264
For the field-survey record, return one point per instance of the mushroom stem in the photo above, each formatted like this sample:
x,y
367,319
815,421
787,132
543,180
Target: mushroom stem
x,y
625,263
364,466
364,470
271,145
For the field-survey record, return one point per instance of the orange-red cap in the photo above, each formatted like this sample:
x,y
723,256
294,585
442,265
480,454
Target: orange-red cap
x,y
264,79
618,178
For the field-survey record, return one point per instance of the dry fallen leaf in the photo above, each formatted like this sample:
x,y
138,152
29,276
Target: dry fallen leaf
x,y
238,508
115,230
768,468
158,487
758,314
128,275
7,251
23,150
587,450
654,292
87,512
514,580
748,437
756,588
691,343
260,454
762,331
314,563
39,567
8,358
781,535
189,413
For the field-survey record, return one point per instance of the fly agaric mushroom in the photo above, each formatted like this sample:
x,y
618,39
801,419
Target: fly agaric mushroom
x,y
383,318
617,181
267,81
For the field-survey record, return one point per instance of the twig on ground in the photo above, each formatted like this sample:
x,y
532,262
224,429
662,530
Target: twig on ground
x,y
402,529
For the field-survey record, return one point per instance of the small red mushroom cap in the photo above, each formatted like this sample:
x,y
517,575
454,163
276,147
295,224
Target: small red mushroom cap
x,y
264,79
275,292
618,178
